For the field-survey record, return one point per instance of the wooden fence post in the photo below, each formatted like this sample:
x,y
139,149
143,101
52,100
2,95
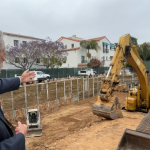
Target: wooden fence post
x,y
97,85
12,102
25,94
88,84
93,86
77,90
83,88
47,93
71,89
37,96
64,93
57,102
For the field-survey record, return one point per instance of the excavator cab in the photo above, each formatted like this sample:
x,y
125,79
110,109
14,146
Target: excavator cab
x,y
131,100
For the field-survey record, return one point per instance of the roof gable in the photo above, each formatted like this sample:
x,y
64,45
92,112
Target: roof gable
x,y
24,36
68,39
72,49
97,39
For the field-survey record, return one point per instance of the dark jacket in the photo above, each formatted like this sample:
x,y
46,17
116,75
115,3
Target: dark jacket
x,y
7,140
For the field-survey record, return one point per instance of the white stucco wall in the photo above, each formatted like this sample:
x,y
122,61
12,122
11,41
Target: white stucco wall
x,y
71,60
9,40
81,52
74,59
111,52
69,43
99,54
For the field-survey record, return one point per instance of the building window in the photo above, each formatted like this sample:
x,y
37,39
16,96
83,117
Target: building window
x,y
24,60
72,45
103,48
38,60
103,58
24,42
15,42
107,50
111,57
82,59
17,60
65,46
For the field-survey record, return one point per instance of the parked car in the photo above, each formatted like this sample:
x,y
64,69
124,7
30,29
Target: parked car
x,y
86,73
40,76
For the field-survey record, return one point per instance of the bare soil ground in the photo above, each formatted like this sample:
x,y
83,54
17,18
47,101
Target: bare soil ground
x,y
74,127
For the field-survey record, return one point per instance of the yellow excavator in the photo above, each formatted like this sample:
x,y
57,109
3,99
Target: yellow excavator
x,y
138,98
107,105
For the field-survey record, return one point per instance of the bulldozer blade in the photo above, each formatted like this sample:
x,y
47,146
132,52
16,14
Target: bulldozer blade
x,y
107,109
133,140
34,132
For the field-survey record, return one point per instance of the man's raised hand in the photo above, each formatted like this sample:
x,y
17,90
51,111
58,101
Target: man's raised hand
x,y
27,76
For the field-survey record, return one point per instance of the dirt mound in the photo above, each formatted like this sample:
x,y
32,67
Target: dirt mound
x,y
74,127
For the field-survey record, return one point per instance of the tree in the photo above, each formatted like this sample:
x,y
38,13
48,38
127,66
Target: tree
x,y
53,53
24,55
94,63
134,40
144,51
116,44
90,45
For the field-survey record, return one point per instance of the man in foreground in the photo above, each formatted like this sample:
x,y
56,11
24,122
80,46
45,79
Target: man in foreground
x,y
8,141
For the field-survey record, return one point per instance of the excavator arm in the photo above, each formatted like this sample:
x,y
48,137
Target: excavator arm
x,y
106,104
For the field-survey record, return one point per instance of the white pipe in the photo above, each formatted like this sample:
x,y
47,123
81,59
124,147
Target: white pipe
x,y
108,71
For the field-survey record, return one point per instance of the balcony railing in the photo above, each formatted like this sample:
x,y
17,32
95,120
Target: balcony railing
x,y
105,50
84,61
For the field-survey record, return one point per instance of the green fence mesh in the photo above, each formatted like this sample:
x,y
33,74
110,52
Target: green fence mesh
x,y
54,72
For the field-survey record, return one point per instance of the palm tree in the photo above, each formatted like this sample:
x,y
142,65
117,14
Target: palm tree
x,y
93,45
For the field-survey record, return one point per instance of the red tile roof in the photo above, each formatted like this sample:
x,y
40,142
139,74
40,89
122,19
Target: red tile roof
x,y
68,39
97,39
72,49
30,37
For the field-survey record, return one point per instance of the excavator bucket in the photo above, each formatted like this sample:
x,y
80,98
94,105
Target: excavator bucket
x,y
133,140
107,109
138,139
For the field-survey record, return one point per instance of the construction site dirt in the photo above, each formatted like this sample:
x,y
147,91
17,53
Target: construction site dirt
x,y
74,127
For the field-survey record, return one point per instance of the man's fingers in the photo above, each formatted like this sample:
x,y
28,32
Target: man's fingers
x,y
30,80
32,73
19,123
32,77
26,71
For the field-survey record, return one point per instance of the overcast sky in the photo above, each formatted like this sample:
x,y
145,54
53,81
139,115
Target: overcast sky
x,y
83,18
